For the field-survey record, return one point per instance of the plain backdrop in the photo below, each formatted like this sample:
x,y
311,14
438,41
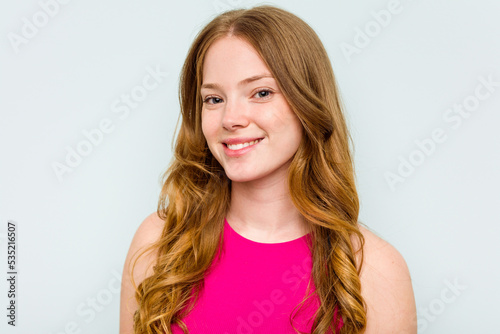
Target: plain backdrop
x,y
80,164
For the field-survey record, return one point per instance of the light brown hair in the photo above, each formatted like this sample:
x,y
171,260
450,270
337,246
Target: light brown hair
x,y
196,192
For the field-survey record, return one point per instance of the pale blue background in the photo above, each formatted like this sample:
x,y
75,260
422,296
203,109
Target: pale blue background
x,y
74,233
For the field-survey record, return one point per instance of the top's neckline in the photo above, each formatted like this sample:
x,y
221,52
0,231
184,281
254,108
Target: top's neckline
x,y
226,223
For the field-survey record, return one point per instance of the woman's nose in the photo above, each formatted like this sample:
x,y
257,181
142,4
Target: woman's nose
x,y
235,115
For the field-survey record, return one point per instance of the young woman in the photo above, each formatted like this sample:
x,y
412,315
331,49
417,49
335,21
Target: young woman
x,y
257,224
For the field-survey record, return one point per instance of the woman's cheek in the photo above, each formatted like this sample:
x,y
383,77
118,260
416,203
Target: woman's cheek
x,y
210,132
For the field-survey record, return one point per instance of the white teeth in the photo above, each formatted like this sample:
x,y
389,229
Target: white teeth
x,y
240,146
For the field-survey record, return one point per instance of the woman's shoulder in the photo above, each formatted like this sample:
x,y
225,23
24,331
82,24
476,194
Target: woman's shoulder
x,y
386,287
147,234
150,229
379,253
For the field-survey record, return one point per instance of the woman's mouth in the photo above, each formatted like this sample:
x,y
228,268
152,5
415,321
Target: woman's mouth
x,y
237,150
242,145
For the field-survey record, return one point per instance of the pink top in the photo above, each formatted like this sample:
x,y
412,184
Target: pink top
x,y
254,288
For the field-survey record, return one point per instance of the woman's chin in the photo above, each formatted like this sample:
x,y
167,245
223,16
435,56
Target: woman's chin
x,y
241,178
246,175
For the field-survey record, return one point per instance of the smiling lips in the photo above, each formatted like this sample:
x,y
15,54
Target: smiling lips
x,y
238,146
242,145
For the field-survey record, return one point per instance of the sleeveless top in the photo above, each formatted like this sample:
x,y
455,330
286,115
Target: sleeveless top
x,y
254,289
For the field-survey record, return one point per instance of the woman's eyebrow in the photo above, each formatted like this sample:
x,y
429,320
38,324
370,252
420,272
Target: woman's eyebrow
x,y
241,83
254,78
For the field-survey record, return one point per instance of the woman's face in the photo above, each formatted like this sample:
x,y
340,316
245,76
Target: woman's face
x,y
249,126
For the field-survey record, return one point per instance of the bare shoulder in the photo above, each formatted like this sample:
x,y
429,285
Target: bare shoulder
x,y
381,256
149,230
147,233
386,287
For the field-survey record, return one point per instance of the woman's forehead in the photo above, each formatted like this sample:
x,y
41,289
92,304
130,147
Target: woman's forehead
x,y
232,58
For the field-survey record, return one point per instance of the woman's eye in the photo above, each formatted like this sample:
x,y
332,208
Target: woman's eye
x,y
263,93
212,100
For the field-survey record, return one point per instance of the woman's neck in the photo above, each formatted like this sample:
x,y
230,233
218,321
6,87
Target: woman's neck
x,y
264,212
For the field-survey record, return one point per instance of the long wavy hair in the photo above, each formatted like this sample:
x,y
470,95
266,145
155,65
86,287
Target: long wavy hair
x,y
196,192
